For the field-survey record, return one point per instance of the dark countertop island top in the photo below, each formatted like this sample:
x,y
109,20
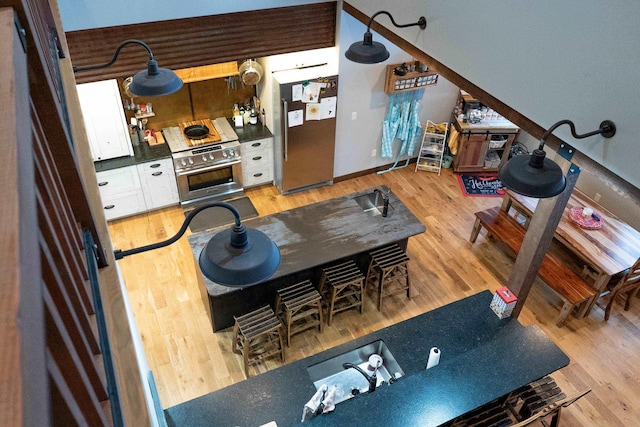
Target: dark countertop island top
x,y
482,358
321,233
142,153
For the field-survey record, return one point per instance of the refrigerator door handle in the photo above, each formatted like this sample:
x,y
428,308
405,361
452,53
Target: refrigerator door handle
x,y
285,106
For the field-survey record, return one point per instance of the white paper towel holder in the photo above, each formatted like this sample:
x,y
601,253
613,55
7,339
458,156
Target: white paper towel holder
x,y
434,357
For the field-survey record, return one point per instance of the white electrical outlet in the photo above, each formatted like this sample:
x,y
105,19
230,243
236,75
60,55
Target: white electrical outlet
x,y
374,152
354,115
597,197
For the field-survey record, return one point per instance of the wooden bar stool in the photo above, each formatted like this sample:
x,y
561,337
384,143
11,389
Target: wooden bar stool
x,y
300,308
257,336
342,287
388,272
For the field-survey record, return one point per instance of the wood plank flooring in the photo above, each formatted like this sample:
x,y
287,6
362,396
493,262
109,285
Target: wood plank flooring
x,y
189,360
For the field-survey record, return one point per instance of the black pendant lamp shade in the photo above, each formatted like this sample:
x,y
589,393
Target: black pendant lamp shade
x,y
154,81
235,257
370,52
239,257
535,175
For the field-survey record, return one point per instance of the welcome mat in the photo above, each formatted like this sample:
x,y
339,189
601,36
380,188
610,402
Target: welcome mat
x,y
217,216
481,185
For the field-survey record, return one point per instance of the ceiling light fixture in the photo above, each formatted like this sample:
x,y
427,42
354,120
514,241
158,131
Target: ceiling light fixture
x,y
370,52
535,175
154,81
235,257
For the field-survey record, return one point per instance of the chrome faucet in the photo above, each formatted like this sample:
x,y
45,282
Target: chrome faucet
x,y
372,379
385,201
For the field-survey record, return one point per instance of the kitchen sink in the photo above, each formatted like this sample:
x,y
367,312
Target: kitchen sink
x,y
372,203
350,382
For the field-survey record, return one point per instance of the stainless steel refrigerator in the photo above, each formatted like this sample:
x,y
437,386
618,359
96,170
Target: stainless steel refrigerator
x,y
304,138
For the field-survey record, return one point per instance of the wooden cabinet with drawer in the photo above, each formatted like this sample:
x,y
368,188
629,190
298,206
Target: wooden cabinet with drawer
x,y
482,147
257,162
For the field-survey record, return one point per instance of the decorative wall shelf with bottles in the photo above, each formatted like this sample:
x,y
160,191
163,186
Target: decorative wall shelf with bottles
x,y
432,147
408,76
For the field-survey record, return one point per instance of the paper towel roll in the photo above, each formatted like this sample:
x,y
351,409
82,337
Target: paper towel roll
x,y
434,357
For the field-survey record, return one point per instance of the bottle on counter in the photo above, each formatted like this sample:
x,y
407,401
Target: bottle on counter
x,y
237,116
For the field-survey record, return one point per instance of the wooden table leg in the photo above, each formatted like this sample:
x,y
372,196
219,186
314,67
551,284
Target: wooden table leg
x,y
600,285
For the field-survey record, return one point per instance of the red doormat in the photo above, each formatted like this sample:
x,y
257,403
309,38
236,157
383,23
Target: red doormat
x,y
481,185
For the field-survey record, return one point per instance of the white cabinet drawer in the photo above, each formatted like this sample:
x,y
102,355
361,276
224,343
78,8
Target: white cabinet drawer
x,y
123,204
257,159
257,177
118,180
257,144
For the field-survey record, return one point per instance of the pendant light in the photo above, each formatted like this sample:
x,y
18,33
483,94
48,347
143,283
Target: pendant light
x,y
370,52
154,81
535,175
236,257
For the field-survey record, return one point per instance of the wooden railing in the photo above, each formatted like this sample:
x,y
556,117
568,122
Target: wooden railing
x,y
56,366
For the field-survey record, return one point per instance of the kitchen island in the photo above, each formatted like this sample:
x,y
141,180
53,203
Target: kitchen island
x,y
482,358
309,238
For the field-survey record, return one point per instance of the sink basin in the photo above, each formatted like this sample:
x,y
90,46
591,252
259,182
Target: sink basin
x,y
372,203
331,372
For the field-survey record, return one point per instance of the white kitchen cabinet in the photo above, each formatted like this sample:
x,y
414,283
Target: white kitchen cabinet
x,y
139,188
158,182
104,119
121,192
257,162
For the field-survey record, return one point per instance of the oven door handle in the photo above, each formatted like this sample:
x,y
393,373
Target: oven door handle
x,y
285,106
207,168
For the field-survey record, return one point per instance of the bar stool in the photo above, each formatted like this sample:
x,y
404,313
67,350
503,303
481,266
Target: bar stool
x,y
388,272
342,287
300,308
257,336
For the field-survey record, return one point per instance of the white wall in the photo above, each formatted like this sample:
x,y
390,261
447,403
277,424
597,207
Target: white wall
x,y
361,91
549,60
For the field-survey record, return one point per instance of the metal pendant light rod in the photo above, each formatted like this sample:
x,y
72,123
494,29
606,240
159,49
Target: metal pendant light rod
x,y
607,129
422,22
119,254
115,56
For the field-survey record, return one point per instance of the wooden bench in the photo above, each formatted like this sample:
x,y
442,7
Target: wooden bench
x,y
565,283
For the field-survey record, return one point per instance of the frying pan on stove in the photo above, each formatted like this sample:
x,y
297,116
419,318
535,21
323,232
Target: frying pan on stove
x,y
196,131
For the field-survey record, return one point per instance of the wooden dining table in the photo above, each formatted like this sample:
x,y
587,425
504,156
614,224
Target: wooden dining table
x,y
607,251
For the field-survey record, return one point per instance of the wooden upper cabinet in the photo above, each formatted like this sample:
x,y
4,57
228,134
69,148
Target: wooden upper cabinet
x,y
206,72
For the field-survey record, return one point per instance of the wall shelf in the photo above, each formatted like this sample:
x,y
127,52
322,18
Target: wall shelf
x,y
413,80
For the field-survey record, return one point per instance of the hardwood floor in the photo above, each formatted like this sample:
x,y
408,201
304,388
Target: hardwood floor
x,y
189,360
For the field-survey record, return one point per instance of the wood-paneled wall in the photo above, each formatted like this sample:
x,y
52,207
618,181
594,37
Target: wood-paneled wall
x,y
205,40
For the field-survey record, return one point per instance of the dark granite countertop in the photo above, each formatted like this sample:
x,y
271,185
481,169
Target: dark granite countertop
x,y
323,232
142,153
483,358
251,132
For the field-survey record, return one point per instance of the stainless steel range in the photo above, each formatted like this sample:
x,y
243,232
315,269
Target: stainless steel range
x,y
207,169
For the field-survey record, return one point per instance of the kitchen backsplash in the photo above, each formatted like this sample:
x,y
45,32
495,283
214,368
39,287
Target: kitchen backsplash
x,y
197,100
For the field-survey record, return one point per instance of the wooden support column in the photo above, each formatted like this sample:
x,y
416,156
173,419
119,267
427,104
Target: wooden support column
x,y
538,239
